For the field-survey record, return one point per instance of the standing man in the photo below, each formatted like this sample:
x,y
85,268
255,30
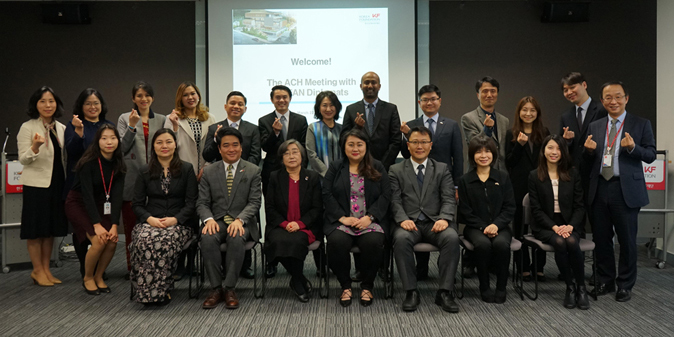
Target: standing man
x,y
380,120
447,146
614,149
423,205
229,199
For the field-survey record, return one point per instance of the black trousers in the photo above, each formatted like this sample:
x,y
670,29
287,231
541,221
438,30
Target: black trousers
x,y
494,252
371,246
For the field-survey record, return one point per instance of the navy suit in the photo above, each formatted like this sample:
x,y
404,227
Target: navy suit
x,y
447,144
616,203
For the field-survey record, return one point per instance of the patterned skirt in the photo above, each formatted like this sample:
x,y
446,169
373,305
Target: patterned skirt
x,y
154,257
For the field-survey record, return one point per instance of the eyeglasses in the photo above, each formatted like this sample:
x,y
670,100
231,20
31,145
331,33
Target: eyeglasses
x,y
291,153
416,142
430,100
610,99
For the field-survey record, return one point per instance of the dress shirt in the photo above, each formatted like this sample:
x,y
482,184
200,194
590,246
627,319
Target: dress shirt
x,y
434,118
415,166
585,106
616,145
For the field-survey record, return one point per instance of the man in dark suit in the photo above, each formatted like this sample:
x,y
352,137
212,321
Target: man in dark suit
x,y
447,146
423,205
614,149
229,199
380,119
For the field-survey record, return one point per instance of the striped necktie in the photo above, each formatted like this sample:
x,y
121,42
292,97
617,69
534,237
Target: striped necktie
x,y
230,180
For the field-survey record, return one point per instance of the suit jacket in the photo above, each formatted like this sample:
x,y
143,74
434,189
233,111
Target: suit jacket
x,y
472,124
485,203
631,170
337,195
311,201
297,129
435,200
251,142
133,147
385,140
187,145
447,144
37,167
244,202
542,201
180,202
594,112
520,160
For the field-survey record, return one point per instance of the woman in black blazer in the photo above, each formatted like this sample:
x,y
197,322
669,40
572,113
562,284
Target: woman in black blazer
x,y
164,201
487,207
294,209
523,144
356,194
556,197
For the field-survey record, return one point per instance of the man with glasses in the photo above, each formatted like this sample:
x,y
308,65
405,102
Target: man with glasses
x,y
614,149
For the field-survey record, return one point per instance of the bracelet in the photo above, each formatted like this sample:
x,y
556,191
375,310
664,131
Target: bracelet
x,y
132,128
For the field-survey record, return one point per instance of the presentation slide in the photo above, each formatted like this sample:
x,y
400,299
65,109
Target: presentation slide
x,y
309,51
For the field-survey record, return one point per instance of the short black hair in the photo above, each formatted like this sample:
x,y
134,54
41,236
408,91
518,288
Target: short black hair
x,y
280,87
79,112
237,93
422,130
141,85
228,131
37,96
429,88
333,99
487,79
572,78
614,83
482,142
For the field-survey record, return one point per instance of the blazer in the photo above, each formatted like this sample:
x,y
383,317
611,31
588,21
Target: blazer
x,y
133,147
245,201
385,141
486,203
311,201
187,145
337,195
180,202
520,160
435,199
447,144
472,124
542,201
631,170
251,142
37,167
297,129
594,112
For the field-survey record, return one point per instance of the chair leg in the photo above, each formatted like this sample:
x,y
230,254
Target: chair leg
x,y
459,294
190,268
327,274
594,275
518,282
323,281
534,272
389,285
264,282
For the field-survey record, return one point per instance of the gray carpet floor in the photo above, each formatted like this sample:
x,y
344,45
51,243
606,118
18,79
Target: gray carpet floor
x,y
65,310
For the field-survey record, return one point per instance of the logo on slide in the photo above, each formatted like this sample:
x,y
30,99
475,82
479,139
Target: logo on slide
x,y
371,19
261,26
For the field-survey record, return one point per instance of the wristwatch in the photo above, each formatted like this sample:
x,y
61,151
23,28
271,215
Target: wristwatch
x,y
371,217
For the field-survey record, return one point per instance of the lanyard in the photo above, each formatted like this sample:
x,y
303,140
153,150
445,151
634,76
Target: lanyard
x,y
608,148
106,190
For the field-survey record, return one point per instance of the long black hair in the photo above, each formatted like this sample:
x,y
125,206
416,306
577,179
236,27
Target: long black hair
x,y
154,167
365,167
93,152
564,163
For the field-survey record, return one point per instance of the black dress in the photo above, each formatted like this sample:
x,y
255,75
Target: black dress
x,y
43,213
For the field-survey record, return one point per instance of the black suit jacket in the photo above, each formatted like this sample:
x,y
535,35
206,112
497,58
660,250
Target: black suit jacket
x,y
297,129
484,203
520,160
447,144
251,142
594,112
542,201
311,201
385,141
150,200
337,195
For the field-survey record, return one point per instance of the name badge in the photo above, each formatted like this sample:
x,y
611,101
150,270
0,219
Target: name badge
x,y
608,160
107,208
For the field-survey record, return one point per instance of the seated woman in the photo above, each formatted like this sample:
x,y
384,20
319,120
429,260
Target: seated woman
x,y
356,194
95,202
486,207
164,202
556,197
294,209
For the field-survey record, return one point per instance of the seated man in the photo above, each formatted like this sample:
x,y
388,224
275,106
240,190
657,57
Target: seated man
x,y
423,206
229,199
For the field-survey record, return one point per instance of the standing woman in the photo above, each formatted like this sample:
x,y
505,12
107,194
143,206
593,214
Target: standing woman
x,y
523,145
190,121
165,198
356,195
136,129
556,196
487,207
95,202
323,136
41,152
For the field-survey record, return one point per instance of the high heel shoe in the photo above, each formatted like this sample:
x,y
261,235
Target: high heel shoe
x,y
46,283
90,292
54,280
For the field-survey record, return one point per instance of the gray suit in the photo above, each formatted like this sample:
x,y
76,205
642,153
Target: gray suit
x,y
472,124
244,203
436,201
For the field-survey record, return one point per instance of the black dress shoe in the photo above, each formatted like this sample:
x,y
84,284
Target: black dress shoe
x,y
247,273
105,290
570,297
270,271
541,278
500,296
303,297
582,302
411,301
446,300
383,274
603,289
526,278
487,295
345,302
366,299
90,292
422,274
357,276
468,272
623,295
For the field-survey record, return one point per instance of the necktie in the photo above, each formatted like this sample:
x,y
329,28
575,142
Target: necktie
x,y
579,117
430,126
370,118
234,125
607,172
420,181
284,131
230,180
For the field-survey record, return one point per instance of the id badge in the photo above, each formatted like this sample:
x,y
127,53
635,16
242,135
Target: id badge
x,y
608,160
107,208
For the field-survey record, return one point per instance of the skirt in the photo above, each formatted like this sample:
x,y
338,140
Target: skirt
x,y
43,213
79,218
281,243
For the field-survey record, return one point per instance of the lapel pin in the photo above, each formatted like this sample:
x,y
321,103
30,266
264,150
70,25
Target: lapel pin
x,y
241,171
306,178
496,184
442,123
